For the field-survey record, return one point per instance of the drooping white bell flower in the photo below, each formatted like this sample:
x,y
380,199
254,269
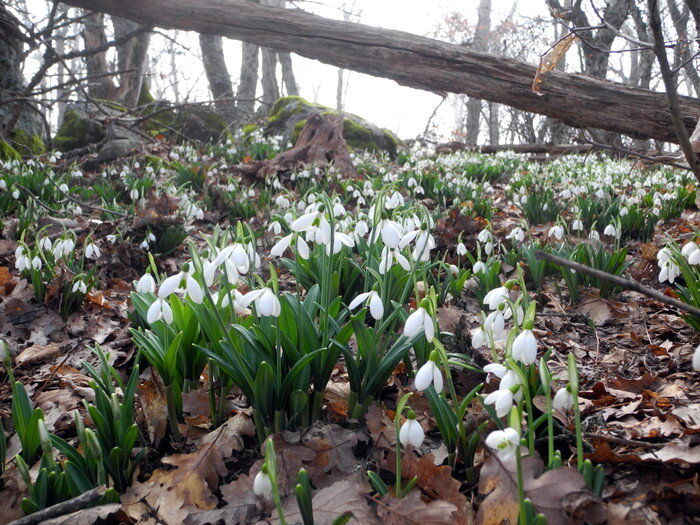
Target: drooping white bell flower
x,y
495,297
266,302
420,320
79,286
160,309
92,251
610,230
525,347
411,432
501,399
688,248
516,234
391,233
262,484
37,263
479,337
172,285
281,246
146,284
563,400
577,225
557,232
429,374
462,250
376,307
496,369
389,257
479,267
503,442
696,359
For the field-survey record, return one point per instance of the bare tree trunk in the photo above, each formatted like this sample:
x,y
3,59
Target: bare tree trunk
x,y
680,22
494,123
288,78
339,90
212,48
421,62
247,86
101,85
60,46
174,77
481,36
270,86
131,60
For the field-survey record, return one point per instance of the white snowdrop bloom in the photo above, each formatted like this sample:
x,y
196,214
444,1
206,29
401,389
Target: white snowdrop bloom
x,y
461,249
429,374
45,244
566,194
411,433
557,232
146,284
160,309
376,307
172,285
610,230
389,257
3,185
37,263
516,234
696,359
502,401
340,239
15,194
479,267
424,244
577,225
694,257
144,245
64,188
151,237
394,201
495,322
496,369
266,302
281,246
418,321
484,236
306,221
361,229
479,337
79,286
594,236
496,297
624,211
688,248
391,233
92,251
503,442
525,347
262,485
275,227
563,400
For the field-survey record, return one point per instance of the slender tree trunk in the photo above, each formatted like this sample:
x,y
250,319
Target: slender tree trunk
x,y
683,47
270,86
481,37
174,75
494,123
339,90
212,48
131,60
288,78
100,85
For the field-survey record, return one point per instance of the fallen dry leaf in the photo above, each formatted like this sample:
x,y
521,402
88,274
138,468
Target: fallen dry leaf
x,y
411,509
37,353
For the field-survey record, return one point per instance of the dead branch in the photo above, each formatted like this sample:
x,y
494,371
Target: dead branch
x,y
63,508
630,284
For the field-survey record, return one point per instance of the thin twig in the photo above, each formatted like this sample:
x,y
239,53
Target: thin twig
x,y
630,284
63,508
633,153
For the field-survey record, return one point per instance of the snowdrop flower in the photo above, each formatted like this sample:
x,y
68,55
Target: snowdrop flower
x,y
495,322
389,257
394,201
134,194
262,484
484,236
501,399
92,251
15,194
64,188
172,285
696,359
461,249
557,232
516,235
411,432
420,320
503,442
45,244
525,345
496,369
144,245
594,236
160,309
391,233
563,400
36,263
275,227
479,267
111,239
22,263
429,374
266,302
3,185
479,337
610,230
376,307
79,286
496,297
146,284
577,225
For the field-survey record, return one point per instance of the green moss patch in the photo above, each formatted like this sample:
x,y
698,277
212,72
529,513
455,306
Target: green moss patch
x,y
7,152
77,131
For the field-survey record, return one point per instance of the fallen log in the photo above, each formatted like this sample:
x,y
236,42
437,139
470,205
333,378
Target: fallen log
x,y
419,62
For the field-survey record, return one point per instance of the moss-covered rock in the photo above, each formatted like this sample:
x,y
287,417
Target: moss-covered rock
x,y
77,131
7,152
27,144
288,116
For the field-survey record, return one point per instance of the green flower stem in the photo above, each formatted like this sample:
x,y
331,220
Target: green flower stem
x,y
521,484
172,412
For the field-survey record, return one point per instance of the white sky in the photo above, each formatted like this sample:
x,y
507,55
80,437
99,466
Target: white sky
x,y
403,110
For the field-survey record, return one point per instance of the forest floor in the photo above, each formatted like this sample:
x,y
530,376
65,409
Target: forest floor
x,y
640,405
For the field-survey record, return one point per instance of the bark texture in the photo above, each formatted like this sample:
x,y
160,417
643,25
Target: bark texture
x,y
481,39
212,48
419,62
